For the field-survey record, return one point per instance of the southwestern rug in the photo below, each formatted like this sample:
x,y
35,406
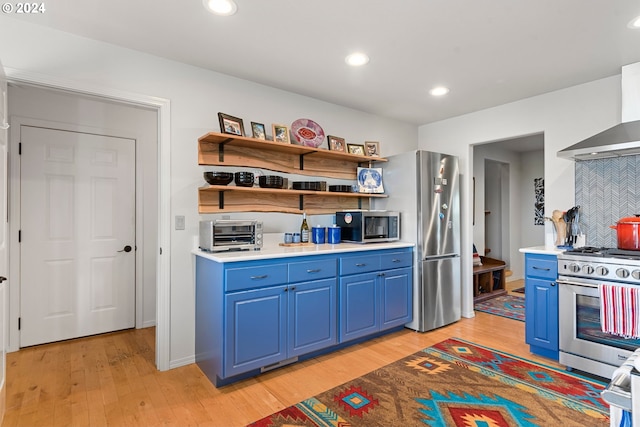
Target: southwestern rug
x,y
511,306
454,383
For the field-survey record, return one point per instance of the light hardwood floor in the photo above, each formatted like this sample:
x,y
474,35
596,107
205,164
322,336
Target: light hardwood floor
x,y
112,380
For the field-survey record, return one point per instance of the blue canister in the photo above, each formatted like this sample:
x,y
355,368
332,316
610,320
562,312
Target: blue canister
x,y
288,237
296,237
333,234
318,235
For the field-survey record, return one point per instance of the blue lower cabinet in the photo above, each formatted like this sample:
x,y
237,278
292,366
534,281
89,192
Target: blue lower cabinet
x,y
375,301
256,326
359,306
396,298
253,316
311,317
541,305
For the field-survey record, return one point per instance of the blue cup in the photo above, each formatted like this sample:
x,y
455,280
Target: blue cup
x,y
333,235
318,235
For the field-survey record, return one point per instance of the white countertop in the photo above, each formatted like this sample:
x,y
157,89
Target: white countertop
x,y
542,250
272,249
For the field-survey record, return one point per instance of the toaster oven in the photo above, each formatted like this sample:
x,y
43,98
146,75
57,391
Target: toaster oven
x,y
230,235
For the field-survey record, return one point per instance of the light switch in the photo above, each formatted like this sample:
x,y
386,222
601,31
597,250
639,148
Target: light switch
x,y
179,222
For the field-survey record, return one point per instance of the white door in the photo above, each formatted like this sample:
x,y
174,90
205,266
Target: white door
x,y
77,234
4,244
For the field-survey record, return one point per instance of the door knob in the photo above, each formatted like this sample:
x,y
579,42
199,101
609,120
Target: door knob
x,y
126,249
2,279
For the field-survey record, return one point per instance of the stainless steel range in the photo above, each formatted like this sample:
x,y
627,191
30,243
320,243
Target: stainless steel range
x,y
583,345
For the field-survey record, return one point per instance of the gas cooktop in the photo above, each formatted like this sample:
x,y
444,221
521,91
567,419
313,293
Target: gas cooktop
x,y
600,263
604,252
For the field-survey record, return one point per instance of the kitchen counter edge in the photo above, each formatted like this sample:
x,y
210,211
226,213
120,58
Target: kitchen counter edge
x,y
542,250
277,251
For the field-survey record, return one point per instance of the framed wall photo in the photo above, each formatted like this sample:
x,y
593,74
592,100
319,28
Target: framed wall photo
x,y
372,148
356,149
230,124
280,133
336,143
258,131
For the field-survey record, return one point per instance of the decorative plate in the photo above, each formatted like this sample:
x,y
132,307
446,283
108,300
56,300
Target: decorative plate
x,y
307,132
370,180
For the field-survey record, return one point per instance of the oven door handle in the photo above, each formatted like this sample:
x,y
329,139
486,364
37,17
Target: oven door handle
x,y
568,282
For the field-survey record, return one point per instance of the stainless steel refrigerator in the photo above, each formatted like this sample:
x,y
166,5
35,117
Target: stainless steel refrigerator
x,y
425,188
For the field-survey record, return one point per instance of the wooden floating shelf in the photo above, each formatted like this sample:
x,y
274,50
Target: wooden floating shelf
x,y
221,198
229,150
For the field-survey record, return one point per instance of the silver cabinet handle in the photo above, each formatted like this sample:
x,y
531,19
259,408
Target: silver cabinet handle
x,y
540,268
362,264
264,276
315,270
396,260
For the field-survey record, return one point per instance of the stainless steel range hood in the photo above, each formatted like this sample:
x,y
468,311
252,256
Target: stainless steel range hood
x,y
620,140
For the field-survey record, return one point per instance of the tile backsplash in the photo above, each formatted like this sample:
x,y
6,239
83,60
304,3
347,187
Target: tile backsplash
x,y
606,190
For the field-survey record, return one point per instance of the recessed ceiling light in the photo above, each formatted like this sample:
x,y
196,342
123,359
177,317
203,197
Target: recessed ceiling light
x,y
635,23
439,91
357,59
221,7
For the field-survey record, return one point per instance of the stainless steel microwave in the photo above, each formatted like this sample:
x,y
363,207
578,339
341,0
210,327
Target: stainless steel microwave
x,y
362,226
230,235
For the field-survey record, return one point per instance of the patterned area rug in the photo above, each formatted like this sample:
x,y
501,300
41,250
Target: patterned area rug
x,y
454,383
511,306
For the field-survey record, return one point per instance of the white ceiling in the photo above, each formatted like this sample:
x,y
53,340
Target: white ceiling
x,y
489,52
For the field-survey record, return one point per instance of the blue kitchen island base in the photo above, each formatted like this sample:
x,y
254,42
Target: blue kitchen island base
x,y
255,314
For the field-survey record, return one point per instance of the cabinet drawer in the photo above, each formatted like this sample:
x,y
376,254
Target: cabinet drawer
x,y
359,264
396,260
312,270
255,277
543,266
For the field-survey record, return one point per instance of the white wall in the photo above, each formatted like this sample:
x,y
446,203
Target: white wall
x,y
196,97
565,117
529,234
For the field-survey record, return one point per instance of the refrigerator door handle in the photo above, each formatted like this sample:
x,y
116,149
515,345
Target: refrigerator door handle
x,y
437,257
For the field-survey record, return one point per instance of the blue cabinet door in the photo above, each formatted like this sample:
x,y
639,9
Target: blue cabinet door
x,y
541,312
255,330
358,306
312,316
396,297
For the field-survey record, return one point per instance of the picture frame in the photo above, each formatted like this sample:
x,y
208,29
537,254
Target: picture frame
x,y
258,131
280,133
356,149
231,125
372,148
336,143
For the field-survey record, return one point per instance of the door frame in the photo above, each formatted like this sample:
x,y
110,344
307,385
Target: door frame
x,y
163,282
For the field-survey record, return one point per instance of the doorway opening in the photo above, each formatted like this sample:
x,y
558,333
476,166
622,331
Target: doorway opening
x,y
156,211
505,174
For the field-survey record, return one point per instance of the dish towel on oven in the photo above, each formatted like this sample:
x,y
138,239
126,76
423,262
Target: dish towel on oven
x,y
619,310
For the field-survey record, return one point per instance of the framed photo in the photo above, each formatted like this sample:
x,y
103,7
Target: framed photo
x,y
280,133
372,148
356,149
230,124
258,131
336,143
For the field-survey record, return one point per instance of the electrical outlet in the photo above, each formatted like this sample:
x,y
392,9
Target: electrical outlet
x,y
179,222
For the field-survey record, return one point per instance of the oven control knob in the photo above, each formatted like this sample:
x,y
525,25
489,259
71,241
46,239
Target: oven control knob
x,y
574,268
587,269
602,271
622,273
636,274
